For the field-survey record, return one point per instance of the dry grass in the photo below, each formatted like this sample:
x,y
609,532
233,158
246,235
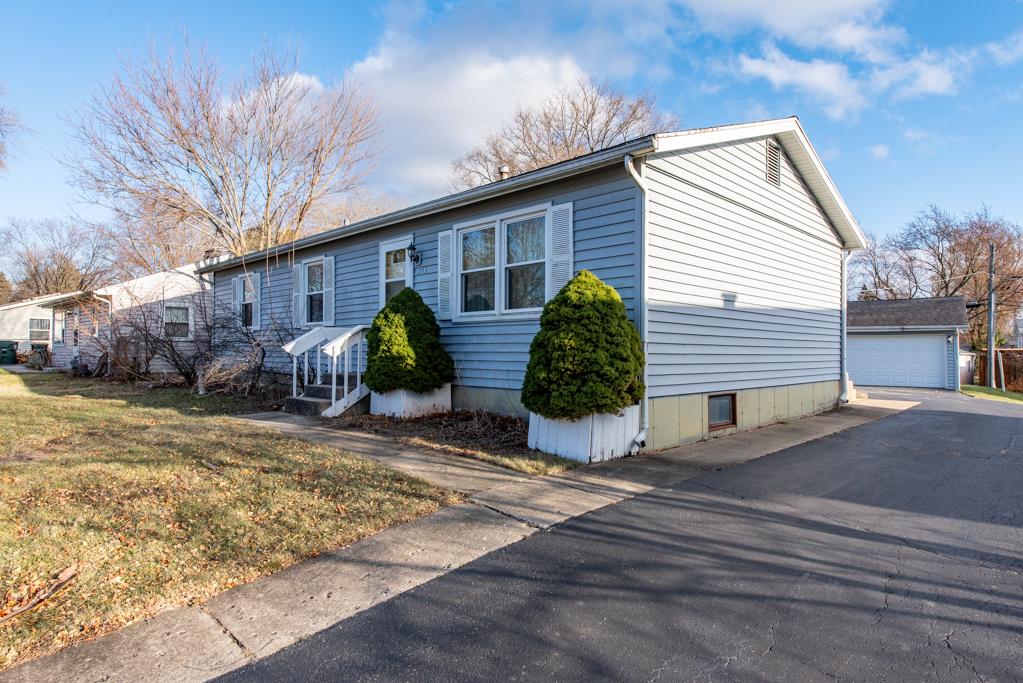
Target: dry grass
x,y
158,502
497,439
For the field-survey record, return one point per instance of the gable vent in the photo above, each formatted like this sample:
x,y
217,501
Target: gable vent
x,y
773,163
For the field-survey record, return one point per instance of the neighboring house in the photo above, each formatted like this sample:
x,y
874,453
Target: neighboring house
x,y
725,244
1015,339
28,322
906,342
164,303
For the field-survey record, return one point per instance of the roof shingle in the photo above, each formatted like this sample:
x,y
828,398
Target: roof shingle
x,y
947,311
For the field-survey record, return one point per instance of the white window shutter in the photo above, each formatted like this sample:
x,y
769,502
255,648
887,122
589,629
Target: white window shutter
x,y
328,291
560,264
444,248
257,297
297,300
236,294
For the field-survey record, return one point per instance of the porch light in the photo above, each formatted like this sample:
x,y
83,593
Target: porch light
x,y
413,255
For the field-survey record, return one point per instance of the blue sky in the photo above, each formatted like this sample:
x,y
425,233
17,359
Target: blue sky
x,y
908,103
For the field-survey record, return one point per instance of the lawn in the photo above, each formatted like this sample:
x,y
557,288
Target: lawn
x,y
156,500
992,394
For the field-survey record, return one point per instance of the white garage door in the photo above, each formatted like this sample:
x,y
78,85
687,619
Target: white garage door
x,y
898,360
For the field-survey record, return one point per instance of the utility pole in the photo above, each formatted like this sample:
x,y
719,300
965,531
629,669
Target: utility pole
x,y
991,317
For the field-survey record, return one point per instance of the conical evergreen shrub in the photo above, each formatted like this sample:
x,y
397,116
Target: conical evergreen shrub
x,y
587,357
404,347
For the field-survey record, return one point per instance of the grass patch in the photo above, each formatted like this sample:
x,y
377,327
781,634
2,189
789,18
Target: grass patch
x,y
159,501
993,394
497,439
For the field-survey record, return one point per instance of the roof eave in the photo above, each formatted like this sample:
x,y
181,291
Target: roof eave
x,y
500,188
905,328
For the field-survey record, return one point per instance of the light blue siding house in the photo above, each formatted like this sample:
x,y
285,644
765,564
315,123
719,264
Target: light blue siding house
x,y
727,246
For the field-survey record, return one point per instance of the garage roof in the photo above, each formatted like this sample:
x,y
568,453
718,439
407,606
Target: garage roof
x,y
938,312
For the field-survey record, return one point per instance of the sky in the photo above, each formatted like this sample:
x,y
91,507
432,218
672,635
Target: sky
x,y
908,103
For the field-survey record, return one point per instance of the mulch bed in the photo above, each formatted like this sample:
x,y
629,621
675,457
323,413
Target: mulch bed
x,y
466,430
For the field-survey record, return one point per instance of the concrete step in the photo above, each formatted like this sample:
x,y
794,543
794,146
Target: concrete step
x,y
323,390
305,406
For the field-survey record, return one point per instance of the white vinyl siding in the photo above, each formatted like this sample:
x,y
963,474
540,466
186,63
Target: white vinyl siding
x,y
744,276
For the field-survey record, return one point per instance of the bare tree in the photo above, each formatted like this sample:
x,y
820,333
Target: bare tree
x,y
6,290
51,256
352,208
939,254
11,129
574,121
234,166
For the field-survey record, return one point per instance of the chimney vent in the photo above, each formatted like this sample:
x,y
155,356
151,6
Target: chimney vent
x,y
503,171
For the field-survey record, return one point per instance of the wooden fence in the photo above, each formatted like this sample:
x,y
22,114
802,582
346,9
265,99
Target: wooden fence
x,y
1008,362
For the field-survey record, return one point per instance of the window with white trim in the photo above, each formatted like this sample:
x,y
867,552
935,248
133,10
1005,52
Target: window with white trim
x,y
58,327
395,268
314,292
39,330
248,302
502,265
177,322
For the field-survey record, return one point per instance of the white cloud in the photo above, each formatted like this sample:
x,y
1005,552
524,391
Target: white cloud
x,y
1006,51
879,151
853,26
437,102
925,74
829,83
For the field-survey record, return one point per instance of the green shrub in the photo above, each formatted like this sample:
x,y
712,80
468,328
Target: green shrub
x,y
404,348
587,357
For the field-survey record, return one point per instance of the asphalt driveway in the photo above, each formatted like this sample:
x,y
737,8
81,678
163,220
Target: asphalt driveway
x,y
890,551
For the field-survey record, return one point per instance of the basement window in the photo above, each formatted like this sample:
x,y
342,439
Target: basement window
x,y
773,163
721,411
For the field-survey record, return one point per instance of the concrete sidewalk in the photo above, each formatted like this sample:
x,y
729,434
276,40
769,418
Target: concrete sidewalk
x,y
257,619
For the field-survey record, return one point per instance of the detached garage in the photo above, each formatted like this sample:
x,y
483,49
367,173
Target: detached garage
x,y
906,342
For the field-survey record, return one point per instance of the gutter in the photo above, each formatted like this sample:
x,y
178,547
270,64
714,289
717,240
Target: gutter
x,y
499,188
843,379
640,440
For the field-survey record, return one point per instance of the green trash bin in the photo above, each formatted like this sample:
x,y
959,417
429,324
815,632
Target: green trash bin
x,y
8,353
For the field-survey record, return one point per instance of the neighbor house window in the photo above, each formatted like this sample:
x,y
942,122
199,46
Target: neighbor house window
x,y
248,301
176,322
395,269
503,265
314,292
721,411
58,327
39,330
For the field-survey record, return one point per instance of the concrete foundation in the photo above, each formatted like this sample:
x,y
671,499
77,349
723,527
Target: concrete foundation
x,y
678,420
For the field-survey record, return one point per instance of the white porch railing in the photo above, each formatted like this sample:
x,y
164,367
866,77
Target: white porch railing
x,y
346,347
339,346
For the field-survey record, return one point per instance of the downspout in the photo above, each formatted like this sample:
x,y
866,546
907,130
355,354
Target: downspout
x,y
640,440
843,381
